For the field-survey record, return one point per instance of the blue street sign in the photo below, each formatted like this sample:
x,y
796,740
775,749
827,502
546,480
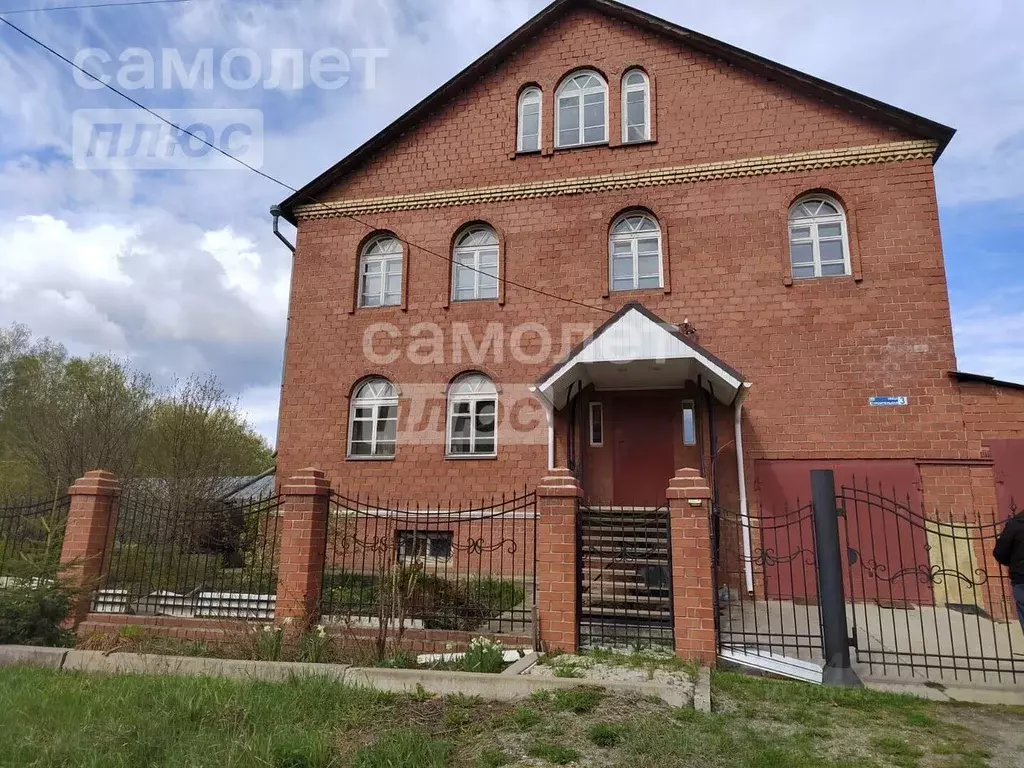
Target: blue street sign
x,y
889,402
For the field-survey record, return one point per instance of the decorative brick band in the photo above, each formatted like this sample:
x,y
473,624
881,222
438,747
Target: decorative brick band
x,y
892,152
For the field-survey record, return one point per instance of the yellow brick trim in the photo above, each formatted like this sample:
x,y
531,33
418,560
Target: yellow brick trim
x,y
893,152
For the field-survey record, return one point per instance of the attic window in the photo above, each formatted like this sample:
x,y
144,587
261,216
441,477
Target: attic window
x,y
582,116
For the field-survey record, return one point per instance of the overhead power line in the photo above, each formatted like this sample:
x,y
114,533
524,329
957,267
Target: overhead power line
x,y
268,177
48,8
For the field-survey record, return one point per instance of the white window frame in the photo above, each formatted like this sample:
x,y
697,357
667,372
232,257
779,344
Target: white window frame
x,y
475,251
375,403
812,223
689,405
597,408
645,87
634,238
486,392
382,261
528,97
581,94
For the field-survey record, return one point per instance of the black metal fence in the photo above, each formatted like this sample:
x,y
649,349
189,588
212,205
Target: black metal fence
x,y
31,537
924,594
766,586
454,568
201,559
624,579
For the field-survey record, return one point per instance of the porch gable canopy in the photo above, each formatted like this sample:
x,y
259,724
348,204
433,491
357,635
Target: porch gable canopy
x,y
636,349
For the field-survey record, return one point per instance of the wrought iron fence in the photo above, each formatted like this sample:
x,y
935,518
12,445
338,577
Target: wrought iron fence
x,y
624,577
203,559
31,537
925,595
453,568
766,588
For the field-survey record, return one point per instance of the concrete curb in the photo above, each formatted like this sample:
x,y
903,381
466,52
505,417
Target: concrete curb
x,y
702,691
31,656
523,665
494,687
1007,696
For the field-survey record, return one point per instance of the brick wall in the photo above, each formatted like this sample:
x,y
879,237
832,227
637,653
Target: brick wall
x,y
815,351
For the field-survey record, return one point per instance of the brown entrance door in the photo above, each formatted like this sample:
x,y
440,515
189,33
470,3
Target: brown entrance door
x,y
644,460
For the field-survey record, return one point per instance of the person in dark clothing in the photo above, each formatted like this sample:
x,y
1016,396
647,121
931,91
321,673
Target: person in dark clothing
x,y
1009,551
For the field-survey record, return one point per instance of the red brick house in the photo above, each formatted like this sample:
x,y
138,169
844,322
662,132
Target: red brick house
x,y
619,246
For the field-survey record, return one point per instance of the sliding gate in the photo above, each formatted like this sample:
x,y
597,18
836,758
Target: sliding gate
x,y
861,579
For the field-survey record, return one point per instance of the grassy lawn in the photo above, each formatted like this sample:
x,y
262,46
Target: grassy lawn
x,y
67,719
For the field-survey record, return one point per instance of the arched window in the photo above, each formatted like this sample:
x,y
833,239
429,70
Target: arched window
x,y
373,423
818,242
472,416
475,265
635,252
636,106
528,139
582,115
380,273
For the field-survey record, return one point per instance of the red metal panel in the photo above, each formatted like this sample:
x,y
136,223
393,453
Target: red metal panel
x,y
883,536
1009,469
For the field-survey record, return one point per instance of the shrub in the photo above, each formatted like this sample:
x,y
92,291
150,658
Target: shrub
x,y
484,655
32,611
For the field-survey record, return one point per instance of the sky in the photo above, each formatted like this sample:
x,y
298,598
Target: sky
x,y
176,268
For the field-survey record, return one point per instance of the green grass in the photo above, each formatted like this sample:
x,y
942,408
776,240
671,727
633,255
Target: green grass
x,y
553,753
55,719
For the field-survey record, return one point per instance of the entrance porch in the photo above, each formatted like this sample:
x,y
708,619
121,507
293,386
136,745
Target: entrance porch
x,y
636,401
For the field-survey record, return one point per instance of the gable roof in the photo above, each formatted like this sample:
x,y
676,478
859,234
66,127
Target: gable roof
x,y
843,98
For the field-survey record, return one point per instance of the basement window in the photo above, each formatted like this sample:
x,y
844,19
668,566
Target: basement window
x,y
424,545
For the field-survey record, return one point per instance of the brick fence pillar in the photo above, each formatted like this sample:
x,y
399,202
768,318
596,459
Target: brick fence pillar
x,y
557,498
88,537
693,582
307,499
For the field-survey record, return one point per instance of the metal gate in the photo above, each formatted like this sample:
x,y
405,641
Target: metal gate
x,y
860,580
625,577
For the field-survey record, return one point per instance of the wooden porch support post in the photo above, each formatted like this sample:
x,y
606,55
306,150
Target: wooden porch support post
x,y
693,582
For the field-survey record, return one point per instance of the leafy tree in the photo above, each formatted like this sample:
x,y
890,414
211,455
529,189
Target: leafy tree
x,y
61,416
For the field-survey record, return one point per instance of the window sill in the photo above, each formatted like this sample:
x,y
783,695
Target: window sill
x,y
456,302
798,280
526,153
470,457
640,143
629,291
591,145
369,458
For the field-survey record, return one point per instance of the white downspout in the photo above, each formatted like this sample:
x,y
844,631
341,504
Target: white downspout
x,y
549,410
741,472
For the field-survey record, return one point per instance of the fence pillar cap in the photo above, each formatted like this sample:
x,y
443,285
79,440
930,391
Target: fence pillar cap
x,y
307,482
560,482
688,483
98,482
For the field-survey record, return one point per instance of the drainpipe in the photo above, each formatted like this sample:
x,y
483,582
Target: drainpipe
x,y
741,471
275,211
549,411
